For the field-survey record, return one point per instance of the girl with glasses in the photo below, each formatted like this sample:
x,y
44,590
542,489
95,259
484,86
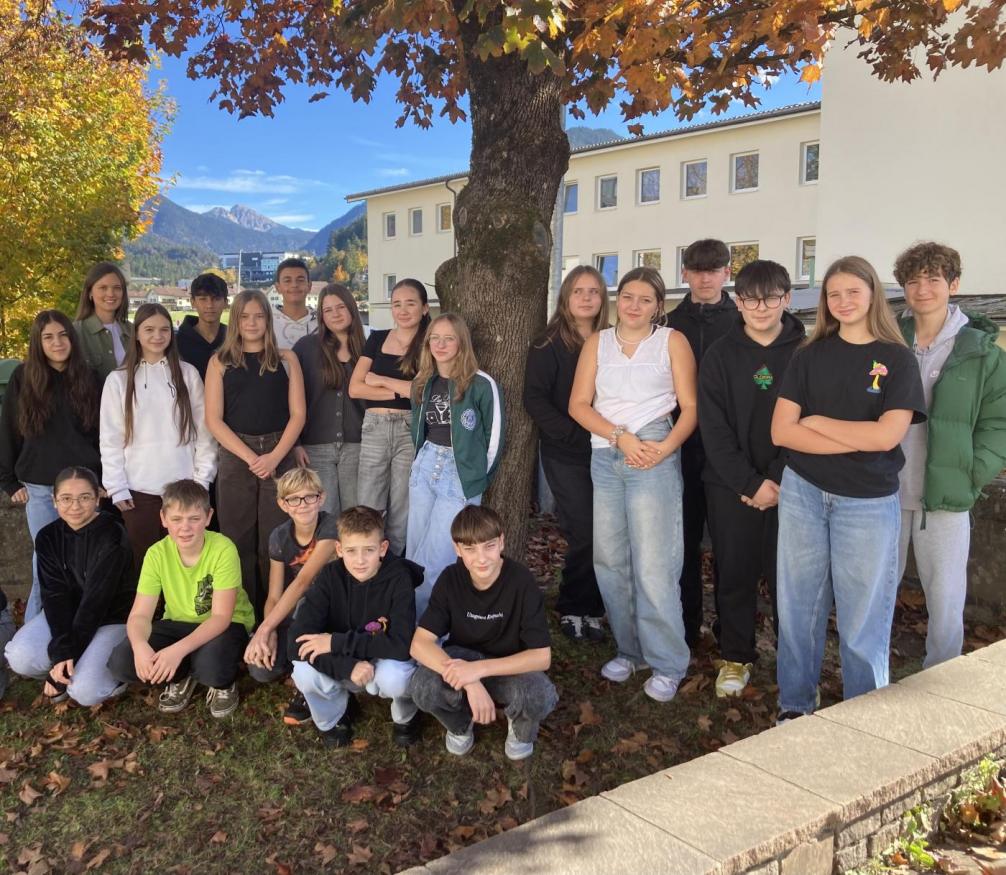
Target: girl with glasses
x,y
85,570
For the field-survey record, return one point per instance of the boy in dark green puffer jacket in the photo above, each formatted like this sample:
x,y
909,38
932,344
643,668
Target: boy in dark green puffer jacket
x,y
962,445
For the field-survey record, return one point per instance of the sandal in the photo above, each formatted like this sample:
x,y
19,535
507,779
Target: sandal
x,y
60,695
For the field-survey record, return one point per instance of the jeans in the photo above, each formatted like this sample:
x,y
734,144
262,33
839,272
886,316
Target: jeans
x,y
327,697
6,633
338,466
92,682
40,511
527,698
215,664
832,547
435,498
386,454
574,503
941,558
638,555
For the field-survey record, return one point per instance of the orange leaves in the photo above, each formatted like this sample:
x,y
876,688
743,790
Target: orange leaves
x,y
811,73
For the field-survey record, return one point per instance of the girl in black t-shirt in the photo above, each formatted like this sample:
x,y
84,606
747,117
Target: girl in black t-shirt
x,y
383,380
844,406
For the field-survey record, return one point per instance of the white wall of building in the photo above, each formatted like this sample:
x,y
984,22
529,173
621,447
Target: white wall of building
x,y
904,162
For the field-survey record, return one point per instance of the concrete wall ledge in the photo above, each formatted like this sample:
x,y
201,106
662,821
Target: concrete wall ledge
x,y
821,794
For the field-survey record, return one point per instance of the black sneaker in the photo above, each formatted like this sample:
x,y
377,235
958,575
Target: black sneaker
x,y
407,734
342,733
592,629
786,716
297,713
571,626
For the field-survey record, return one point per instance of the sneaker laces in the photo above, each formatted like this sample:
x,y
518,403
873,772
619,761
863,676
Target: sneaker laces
x,y
574,621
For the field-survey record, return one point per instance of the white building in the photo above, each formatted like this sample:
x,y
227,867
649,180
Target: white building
x,y
901,163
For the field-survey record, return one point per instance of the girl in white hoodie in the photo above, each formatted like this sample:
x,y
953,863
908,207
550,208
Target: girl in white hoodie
x,y
153,428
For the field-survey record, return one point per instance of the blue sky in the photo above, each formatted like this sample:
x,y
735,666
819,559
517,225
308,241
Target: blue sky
x,y
298,166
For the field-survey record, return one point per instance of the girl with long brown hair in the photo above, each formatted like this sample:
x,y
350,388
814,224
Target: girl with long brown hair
x,y
330,442
102,319
153,428
845,403
564,445
457,430
49,421
255,409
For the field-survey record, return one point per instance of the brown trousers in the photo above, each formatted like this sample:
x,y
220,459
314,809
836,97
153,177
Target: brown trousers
x,y
143,525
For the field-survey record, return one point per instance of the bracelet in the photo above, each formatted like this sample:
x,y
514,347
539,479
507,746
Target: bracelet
x,y
618,431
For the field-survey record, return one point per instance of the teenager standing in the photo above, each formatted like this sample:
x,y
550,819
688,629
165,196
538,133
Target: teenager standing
x,y
102,321
201,335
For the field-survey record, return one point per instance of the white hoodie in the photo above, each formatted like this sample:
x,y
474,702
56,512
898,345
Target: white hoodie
x,y
154,457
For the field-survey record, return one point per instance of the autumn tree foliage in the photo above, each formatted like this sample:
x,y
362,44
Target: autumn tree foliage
x,y
78,158
517,66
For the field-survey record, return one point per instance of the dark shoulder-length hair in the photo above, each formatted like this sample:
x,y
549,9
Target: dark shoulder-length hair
x,y
329,345
562,325
410,360
36,398
85,307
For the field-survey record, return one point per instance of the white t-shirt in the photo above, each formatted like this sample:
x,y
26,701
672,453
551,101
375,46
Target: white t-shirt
x,y
289,331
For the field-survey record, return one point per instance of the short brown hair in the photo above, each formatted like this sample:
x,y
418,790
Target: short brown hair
x,y
933,259
706,254
296,479
475,524
186,493
360,520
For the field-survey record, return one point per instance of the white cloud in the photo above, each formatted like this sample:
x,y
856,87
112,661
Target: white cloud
x,y
393,171
293,219
250,182
276,201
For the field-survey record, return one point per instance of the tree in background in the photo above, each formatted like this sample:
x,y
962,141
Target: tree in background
x,y
79,156
520,64
346,259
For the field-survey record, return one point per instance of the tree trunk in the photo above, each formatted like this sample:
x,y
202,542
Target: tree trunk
x,y
499,279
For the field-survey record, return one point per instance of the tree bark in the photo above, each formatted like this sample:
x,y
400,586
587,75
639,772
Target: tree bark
x,y
499,279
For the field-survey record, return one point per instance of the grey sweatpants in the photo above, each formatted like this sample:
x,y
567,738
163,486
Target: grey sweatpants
x,y
941,557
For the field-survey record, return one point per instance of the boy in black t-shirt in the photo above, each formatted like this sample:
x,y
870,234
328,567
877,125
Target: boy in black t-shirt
x,y
499,647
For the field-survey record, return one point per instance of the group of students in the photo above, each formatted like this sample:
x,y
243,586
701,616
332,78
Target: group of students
x,y
349,472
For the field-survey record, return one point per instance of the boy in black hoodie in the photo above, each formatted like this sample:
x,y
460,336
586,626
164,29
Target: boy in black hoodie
x,y
353,629
738,386
704,315
200,336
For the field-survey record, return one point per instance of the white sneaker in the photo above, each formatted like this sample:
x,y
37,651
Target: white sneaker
x,y
514,749
660,687
459,745
620,669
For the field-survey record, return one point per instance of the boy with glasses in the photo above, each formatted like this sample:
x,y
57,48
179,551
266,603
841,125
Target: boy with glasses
x,y
298,549
738,386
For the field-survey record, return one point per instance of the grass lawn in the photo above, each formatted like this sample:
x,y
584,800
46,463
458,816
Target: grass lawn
x,y
122,788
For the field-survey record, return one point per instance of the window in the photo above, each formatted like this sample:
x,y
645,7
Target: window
x,y
390,228
681,266
607,266
607,192
810,154
744,172
416,222
693,179
647,258
805,250
570,197
741,254
390,280
443,217
568,263
649,185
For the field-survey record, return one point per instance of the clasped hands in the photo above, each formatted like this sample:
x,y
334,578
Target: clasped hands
x,y
460,674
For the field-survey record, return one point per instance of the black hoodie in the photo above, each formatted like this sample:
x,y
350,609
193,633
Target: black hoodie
x,y
340,604
548,382
738,386
193,347
86,581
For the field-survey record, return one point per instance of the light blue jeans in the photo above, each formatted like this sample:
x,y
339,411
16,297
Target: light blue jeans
x,y
40,511
28,655
435,498
327,697
338,466
638,554
841,549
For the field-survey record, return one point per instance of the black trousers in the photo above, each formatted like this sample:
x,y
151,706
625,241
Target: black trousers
x,y
574,501
693,518
744,541
215,664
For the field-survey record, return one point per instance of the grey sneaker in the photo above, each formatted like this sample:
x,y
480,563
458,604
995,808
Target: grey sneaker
x,y
514,749
459,745
222,702
176,695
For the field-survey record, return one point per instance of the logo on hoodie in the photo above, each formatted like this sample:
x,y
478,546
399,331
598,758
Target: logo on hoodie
x,y
763,378
468,419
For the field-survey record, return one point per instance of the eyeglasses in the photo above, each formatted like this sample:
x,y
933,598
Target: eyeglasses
x,y
66,501
772,302
298,500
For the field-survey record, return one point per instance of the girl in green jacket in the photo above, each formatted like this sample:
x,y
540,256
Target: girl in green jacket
x,y
102,321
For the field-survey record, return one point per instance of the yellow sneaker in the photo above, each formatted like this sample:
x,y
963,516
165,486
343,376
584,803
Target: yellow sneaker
x,y
732,679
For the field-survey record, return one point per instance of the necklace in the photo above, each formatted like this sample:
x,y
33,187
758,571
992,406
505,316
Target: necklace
x,y
625,342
